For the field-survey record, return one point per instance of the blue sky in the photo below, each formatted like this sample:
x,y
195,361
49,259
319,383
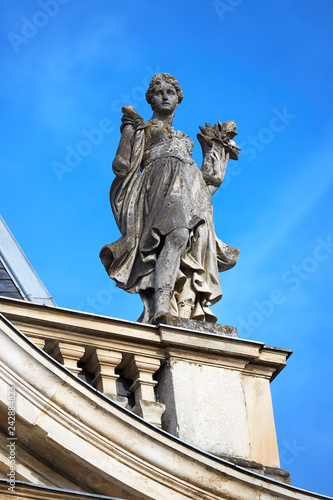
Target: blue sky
x,y
268,66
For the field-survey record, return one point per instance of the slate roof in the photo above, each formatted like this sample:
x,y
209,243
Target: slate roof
x,y
18,279
7,285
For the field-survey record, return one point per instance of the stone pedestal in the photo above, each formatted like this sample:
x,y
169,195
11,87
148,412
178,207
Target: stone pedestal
x,y
216,390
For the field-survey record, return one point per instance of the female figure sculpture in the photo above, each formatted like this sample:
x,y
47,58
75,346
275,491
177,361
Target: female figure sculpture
x,y
161,200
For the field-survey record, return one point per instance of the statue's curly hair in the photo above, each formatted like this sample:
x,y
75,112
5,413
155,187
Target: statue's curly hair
x,y
157,80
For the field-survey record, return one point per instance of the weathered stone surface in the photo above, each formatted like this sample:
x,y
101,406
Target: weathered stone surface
x,y
161,200
206,406
150,411
273,472
199,326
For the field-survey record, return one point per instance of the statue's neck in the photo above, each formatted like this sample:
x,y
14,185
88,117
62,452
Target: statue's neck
x,y
165,120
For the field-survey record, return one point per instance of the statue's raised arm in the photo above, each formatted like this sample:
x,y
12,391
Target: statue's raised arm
x,y
168,251
217,147
131,121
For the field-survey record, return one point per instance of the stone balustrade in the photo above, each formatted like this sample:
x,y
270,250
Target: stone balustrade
x,y
103,364
99,352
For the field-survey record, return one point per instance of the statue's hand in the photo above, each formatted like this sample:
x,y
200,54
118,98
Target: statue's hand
x,y
214,166
131,118
220,160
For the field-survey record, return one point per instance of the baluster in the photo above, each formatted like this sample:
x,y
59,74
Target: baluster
x,y
141,369
102,364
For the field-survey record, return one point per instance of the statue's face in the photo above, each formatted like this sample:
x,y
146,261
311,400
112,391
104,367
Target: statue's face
x,y
165,99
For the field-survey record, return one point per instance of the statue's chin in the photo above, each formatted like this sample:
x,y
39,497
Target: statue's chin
x,y
165,111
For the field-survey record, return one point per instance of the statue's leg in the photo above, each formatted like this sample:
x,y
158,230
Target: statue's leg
x,y
167,267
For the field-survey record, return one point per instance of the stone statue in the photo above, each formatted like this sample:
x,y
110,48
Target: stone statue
x,y
161,200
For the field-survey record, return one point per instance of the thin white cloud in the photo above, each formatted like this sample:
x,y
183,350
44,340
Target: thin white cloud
x,y
293,205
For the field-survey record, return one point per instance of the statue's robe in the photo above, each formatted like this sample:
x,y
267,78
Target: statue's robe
x,y
163,190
